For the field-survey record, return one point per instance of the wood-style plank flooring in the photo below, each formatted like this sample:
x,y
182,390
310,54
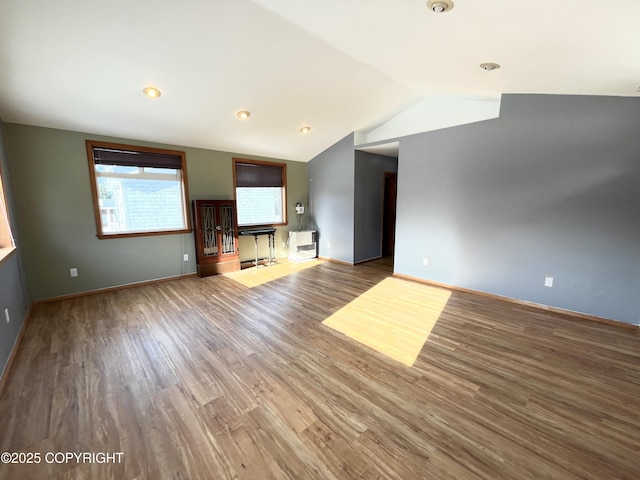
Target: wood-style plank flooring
x,y
209,379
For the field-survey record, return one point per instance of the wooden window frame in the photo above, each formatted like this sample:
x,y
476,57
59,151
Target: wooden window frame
x,y
91,144
283,166
7,243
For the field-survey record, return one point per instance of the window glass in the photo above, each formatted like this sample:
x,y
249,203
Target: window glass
x,y
6,239
259,205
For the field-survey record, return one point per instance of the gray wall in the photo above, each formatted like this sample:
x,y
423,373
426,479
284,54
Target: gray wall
x,y
552,187
13,290
331,199
56,221
369,198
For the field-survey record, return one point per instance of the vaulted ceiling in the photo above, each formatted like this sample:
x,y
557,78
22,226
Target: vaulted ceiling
x,y
337,66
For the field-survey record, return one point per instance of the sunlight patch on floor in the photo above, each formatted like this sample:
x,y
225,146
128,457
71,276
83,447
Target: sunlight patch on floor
x,y
394,318
252,277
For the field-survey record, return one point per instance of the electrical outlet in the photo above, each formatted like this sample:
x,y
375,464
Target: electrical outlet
x,y
425,261
73,272
185,257
6,315
548,282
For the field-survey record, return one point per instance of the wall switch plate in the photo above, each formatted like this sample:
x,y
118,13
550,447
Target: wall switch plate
x,y
6,315
185,257
425,261
73,272
548,282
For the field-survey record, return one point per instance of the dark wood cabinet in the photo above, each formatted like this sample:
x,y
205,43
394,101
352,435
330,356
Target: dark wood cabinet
x,y
216,236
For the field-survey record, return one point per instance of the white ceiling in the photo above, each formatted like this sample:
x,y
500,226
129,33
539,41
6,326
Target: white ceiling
x,y
337,65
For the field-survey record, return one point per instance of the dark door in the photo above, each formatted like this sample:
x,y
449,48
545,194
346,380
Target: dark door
x,y
389,213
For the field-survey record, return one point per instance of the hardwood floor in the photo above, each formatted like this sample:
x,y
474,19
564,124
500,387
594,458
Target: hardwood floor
x,y
204,378
383,263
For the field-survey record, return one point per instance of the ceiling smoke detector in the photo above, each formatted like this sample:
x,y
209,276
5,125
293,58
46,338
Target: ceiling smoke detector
x,y
487,67
440,6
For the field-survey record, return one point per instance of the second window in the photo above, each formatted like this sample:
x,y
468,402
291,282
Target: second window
x,y
260,189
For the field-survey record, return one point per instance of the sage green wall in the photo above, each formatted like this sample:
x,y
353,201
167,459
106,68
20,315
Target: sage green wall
x,y
56,222
13,289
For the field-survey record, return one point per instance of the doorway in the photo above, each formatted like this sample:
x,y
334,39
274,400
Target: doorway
x,y
389,214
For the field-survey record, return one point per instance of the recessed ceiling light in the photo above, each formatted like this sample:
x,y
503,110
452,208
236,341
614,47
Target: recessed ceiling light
x,y
440,6
306,129
151,92
487,67
244,114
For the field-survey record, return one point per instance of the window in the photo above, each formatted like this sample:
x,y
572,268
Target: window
x,y
261,193
138,190
6,239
